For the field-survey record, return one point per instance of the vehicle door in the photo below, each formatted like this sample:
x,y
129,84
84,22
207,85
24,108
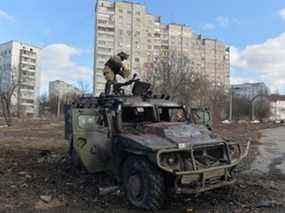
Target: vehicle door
x,y
92,139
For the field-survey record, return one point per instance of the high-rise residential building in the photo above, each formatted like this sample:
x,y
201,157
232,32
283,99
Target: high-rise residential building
x,y
216,62
127,26
61,89
19,63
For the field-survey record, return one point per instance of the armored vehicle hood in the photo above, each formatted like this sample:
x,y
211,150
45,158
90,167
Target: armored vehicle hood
x,y
166,135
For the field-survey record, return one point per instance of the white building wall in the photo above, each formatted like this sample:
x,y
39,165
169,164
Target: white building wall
x,y
278,110
61,89
23,60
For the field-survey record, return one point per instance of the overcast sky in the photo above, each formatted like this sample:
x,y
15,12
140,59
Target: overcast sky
x,y
254,29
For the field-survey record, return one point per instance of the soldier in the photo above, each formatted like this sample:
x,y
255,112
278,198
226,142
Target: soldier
x,y
115,66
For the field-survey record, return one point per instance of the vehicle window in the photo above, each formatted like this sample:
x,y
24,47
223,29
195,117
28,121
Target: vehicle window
x,y
138,114
101,119
201,116
172,114
207,116
198,116
87,121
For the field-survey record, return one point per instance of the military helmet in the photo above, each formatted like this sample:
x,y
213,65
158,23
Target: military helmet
x,y
123,56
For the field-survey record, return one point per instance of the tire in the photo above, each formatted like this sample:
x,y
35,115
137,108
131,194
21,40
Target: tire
x,y
143,184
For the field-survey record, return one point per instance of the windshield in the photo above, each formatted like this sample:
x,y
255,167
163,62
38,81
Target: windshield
x,y
201,116
172,114
138,114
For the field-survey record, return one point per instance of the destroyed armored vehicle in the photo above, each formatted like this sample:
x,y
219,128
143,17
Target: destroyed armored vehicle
x,y
151,145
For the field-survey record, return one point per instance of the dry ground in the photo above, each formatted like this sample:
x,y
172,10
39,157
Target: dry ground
x,y
33,164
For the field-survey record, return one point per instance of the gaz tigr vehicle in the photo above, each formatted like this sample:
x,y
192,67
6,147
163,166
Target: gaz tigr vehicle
x,y
151,145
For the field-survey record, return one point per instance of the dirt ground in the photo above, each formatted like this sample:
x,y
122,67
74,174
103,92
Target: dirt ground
x,y
36,175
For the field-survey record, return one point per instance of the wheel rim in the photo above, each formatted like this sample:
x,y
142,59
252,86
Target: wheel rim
x,y
136,189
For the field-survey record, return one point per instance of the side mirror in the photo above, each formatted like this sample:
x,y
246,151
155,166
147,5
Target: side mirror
x,y
119,108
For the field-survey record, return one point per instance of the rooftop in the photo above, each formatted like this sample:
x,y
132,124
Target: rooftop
x,y
276,97
20,42
248,84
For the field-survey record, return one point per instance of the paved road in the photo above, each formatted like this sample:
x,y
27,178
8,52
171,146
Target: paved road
x,y
272,152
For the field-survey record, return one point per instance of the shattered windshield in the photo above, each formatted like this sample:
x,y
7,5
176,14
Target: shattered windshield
x,y
138,114
201,116
172,114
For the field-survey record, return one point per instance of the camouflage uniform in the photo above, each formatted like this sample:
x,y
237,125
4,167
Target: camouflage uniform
x,y
115,66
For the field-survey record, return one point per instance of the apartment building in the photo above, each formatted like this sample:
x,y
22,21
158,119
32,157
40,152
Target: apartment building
x,y
127,26
250,90
19,63
61,89
216,62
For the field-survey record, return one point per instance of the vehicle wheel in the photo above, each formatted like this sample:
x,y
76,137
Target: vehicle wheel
x,y
143,184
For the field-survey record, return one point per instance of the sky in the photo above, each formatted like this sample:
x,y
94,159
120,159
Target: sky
x,y
255,31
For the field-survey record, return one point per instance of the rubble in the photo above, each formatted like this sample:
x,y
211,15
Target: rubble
x,y
46,198
75,191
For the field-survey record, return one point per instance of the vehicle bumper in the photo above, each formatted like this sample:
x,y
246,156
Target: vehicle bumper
x,y
200,180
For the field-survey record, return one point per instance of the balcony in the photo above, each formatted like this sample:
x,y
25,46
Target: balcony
x,y
28,83
107,30
28,54
26,62
106,24
28,69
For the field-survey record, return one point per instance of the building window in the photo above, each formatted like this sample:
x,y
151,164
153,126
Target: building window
x,y
137,60
27,87
106,29
102,21
29,101
102,42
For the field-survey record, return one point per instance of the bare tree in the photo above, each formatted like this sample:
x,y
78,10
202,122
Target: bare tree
x,y
84,87
262,109
241,108
175,76
8,86
56,103
43,104
181,78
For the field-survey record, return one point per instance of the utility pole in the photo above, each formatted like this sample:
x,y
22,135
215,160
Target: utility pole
x,y
58,107
252,111
231,103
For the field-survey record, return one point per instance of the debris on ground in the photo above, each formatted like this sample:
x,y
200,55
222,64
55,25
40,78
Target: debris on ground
x,y
46,198
35,174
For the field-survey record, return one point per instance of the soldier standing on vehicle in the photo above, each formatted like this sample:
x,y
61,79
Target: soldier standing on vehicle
x,y
115,66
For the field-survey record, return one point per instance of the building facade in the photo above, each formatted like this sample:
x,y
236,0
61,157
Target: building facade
x,y
61,89
250,90
19,63
277,106
128,27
